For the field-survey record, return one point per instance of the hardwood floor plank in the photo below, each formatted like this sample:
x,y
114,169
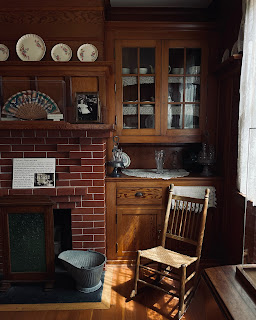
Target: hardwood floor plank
x,y
150,304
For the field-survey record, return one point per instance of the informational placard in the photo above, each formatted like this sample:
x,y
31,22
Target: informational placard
x,y
31,173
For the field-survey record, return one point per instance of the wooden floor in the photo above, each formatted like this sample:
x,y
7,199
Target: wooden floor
x,y
149,305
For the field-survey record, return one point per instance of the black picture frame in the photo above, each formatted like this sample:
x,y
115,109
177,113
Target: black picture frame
x,y
87,107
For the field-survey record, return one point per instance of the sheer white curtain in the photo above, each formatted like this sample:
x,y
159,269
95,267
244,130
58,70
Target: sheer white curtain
x,y
247,108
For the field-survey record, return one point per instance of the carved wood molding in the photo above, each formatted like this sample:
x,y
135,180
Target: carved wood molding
x,y
52,16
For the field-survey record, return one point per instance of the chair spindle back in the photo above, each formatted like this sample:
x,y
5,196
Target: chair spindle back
x,y
185,219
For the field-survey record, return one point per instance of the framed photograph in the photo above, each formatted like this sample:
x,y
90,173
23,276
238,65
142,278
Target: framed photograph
x,y
87,107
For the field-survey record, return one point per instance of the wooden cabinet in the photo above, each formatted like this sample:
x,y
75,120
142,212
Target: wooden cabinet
x,y
160,89
135,213
137,228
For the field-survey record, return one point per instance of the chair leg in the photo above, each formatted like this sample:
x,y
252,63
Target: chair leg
x,y
182,291
159,276
136,276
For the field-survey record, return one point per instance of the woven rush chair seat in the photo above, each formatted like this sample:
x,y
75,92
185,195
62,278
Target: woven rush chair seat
x,y
168,257
184,223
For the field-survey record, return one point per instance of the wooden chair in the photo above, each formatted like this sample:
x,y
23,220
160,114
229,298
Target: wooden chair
x,y
184,223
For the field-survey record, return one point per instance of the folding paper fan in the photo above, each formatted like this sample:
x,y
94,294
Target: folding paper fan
x,y
30,105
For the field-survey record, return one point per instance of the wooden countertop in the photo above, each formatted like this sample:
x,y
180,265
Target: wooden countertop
x,y
192,178
232,296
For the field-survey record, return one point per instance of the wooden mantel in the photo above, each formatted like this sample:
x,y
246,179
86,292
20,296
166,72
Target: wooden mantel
x,y
55,125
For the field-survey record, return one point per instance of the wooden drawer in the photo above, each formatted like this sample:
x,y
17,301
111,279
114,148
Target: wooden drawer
x,y
139,196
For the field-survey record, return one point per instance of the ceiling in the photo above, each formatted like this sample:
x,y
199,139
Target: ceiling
x,y
161,3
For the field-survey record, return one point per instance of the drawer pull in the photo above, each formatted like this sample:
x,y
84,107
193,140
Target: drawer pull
x,y
139,194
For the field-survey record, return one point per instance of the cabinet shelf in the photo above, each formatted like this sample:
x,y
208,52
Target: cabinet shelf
x,y
45,68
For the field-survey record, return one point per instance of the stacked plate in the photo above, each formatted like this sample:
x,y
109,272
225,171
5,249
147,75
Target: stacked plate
x,y
30,105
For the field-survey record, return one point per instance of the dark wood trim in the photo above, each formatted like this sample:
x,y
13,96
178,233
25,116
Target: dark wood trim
x,y
46,68
55,125
159,14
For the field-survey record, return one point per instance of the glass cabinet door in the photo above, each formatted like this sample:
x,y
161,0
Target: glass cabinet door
x,y
137,100
184,89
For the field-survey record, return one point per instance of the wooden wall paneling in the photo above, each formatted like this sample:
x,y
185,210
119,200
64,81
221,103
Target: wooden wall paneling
x,y
84,84
103,99
55,23
69,109
233,202
111,219
1,92
143,156
229,21
16,4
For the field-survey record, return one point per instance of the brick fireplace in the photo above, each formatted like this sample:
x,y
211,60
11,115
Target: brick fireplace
x,y
80,176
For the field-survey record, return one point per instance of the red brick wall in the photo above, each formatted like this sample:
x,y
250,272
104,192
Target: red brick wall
x,y
80,176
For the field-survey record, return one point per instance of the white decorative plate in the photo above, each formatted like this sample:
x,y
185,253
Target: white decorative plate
x,y
29,105
126,159
4,52
61,52
30,47
87,52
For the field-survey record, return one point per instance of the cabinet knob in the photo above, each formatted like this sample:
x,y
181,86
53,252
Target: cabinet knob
x,y
139,194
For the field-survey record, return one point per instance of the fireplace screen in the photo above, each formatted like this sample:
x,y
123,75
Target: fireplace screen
x,y
27,242
26,226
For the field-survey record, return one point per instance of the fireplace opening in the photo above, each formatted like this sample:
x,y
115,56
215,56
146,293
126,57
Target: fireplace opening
x,y
62,233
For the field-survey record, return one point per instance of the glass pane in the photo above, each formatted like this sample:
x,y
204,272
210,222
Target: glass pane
x,y
175,89
130,88
147,89
147,116
193,60
191,116
129,59
176,61
130,116
27,242
192,92
147,59
174,116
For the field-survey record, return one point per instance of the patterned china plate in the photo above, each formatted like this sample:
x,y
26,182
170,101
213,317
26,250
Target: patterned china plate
x,y
126,160
61,52
30,47
4,52
87,53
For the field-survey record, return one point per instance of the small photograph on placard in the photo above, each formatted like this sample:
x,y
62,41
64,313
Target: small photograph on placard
x,y
44,180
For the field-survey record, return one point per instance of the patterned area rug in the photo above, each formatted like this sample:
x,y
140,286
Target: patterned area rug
x,y
64,296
